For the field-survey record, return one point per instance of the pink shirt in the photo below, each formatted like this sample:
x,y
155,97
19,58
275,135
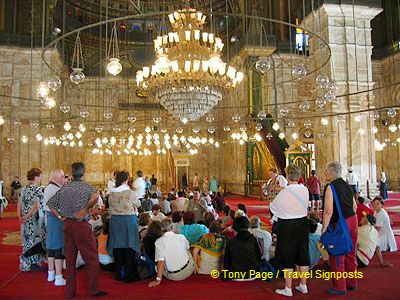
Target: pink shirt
x,y
314,185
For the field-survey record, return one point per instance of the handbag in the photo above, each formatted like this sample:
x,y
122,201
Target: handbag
x,y
337,240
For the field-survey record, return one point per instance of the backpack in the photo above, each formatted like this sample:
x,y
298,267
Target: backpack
x,y
145,266
337,241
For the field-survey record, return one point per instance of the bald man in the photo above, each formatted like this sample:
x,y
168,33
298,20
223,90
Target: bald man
x,y
54,228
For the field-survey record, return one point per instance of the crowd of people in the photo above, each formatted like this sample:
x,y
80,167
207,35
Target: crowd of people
x,y
138,232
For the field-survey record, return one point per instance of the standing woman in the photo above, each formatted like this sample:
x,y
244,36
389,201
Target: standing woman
x,y
123,240
290,206
383,186
28,206
348,262
314,187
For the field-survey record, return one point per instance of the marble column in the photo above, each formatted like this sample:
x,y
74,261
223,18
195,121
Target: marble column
x,y
347,29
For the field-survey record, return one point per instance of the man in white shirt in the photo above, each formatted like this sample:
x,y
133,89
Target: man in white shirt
x,y
54,229
111,183
264,237
173,258
352,180
140,185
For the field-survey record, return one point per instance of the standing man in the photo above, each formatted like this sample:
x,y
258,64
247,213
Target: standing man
x,y
352,180
54,229
195,182
213,185
140,185
184,180
153,180
72,204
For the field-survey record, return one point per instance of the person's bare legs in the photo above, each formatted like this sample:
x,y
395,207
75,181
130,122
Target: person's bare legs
x,y
380,258
287,291
58,266
50,266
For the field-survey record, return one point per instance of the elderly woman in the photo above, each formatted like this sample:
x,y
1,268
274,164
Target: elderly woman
x,y
123,240
290,206
386,240
348,262
208,251
28,206
192,231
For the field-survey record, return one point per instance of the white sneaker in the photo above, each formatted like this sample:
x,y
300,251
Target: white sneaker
x,y
285,292
302,288
60,281
51,275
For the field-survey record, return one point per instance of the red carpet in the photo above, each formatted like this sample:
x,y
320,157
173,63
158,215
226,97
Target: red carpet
x,y
377,282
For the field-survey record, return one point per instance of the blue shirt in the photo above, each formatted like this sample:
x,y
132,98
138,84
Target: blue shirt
x,y
193,232
313,249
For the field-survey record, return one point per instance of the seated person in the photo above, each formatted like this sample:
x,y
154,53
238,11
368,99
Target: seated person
x,y
192,231
208,219
219,202
361,207
367,242
144,220
147,204
243,208
174,262
166,206
242,253
208,251
314,216
180,203
226,217
149,240
177,222
228,232
264,237
313,244
156,214
106,261
154,199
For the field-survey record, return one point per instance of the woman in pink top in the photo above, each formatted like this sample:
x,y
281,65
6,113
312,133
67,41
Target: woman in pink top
x,y
314,187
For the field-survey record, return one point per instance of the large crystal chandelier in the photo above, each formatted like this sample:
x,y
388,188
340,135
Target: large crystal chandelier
x,y
188,77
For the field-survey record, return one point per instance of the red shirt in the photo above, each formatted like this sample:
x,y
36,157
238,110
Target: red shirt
x,y
314,185
361,208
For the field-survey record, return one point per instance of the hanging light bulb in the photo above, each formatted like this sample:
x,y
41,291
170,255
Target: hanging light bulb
x,y
358,118
264,64
210,118
227,128
392,112
211,130
67,126
269,136
324,121
374,129
236,118
295,136
291,124
156,120
108,114
322,80
258,127
320,102
50,102
281,135
284,111
10,140
34,124
132,118
392,128
77,76
24,139
262,115
304,106
84,113
39,137
299,71
2,121
43,90
275,126
361,131
307,133
184,120
65,108
114,67
54,83
82,127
